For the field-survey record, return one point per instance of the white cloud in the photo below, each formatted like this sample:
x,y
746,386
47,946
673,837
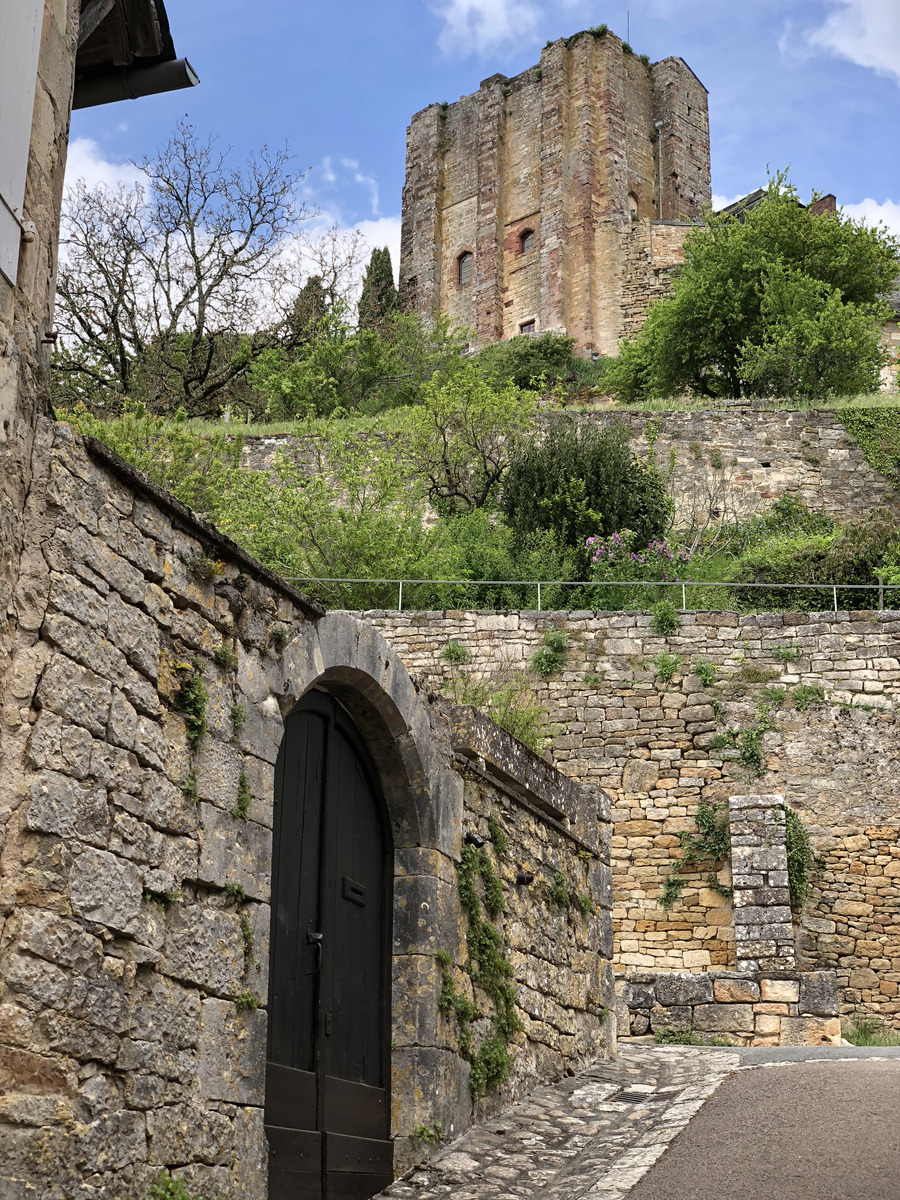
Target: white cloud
x,y
384,232
870,211
85,161
720,202
480,26
368,182
867,32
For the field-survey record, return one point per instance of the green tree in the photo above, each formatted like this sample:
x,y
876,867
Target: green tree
x,y
781,302
527,361
464,435
582,480
378,299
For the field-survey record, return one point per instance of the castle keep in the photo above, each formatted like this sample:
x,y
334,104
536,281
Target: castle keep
x,y
534,204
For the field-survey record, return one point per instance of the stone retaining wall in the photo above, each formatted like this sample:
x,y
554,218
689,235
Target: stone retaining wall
x,y
135,851
792,1009
647,743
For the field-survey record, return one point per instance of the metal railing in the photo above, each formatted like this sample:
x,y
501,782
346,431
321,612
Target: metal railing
x,y
834,588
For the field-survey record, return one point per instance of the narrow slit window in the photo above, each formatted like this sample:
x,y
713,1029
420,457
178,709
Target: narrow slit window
x,y
465,262
526,241
527,327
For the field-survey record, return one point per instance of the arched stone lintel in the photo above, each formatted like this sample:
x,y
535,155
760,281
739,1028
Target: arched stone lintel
x,y
353,661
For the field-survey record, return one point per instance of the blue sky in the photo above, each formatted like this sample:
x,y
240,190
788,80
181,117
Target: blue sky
x,y
810,83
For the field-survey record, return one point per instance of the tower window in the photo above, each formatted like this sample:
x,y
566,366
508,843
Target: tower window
x,y
464,265
632,206
527,327
526,241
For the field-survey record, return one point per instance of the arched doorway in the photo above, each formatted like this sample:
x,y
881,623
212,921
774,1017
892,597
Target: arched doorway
x,y
328,1062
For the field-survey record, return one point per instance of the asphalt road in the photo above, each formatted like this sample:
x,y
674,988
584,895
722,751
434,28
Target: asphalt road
x,y
820,1130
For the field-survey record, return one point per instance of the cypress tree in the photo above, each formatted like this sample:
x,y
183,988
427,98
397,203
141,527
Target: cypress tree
x,y
379,296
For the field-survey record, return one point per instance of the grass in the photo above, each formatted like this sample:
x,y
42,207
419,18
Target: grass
x,y
870,1031
704,404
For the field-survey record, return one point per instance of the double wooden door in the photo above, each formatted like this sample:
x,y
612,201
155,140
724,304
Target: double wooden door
x,y
327,1111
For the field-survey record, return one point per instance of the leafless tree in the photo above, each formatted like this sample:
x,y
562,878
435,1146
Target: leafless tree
x,y
170,289
711,503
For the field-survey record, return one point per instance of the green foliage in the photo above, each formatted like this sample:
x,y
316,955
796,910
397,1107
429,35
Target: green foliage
x,y
527,362
676,1037
244,799
665,619
193,467
802,862
709,845
456,653
781,303
247,1001
225,657
747,741
238,716
877,430
582,480
463,436
805,694
559,890
548,659
248,937
705,672
490,970
192,698
673,886
378,299
509,702
584,903
667,665
867,1029
165,899
626,48
497,834
189,787
169,1187
429,1133
235,892
277,638
786,653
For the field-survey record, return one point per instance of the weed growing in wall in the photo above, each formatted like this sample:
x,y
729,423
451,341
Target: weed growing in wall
x,y
242,804
550,657
665,619
803,864
202,569
238,717
667,665
431,1134
805,694
708,846
169,1187
277,638
511,704
456,653
189,787
705,672
192,698
497,834
247,1001
559,890
747,741
164,899
225,657
235,892
877,430
786,653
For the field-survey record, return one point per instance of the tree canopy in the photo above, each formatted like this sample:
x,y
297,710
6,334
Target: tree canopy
x,y
781,302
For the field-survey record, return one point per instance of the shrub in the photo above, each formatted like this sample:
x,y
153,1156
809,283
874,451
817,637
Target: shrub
x,y
583,480
552,654
705,672
456,653
667,665
527,361
665,619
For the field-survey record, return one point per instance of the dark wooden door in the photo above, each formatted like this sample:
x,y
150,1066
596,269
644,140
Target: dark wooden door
x,y
327,1075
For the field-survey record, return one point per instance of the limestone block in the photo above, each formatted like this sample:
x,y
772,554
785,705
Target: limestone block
x,y
106,889
426,912
181,1133
734,991
234,851
59,940
780,991
112,1142
218,768
166,806
677,1017
768,1023
818,994
66,807
76,693
167,1011
416,1020
810,1031
232,1058
640,775
135,634
684,989
204,946
713,1018
251,1152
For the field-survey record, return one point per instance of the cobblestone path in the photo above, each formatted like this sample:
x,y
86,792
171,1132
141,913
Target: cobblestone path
x,y
588,1137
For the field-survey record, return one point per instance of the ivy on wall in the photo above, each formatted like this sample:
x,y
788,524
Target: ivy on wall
x,y
877,430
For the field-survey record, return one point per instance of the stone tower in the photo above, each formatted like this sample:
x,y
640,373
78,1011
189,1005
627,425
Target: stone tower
x,y
534,205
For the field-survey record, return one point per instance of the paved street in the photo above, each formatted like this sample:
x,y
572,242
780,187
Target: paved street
x,y
683,1123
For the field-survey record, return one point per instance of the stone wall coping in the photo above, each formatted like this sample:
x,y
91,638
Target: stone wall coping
x,y
188,521
516,767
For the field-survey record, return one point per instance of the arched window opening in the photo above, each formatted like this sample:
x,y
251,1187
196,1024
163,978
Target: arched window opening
x,y
632,206
526,241
464,264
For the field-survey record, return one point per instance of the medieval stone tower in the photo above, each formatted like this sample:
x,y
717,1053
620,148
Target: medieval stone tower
x,y
534,204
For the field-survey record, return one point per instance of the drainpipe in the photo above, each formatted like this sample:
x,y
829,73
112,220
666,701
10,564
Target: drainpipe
x,y
658,127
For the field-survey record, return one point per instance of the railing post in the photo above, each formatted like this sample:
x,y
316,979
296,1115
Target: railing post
x,y
400,598
881,595
539,597
683,599
835,599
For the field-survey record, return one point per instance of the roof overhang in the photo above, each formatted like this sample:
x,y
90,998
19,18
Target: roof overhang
x,y
125,50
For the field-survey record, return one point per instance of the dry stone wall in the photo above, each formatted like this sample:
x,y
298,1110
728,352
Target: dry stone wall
x,y
647,743
153,665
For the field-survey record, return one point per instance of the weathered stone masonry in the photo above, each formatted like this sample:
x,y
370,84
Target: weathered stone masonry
x,y
134,898
647,744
